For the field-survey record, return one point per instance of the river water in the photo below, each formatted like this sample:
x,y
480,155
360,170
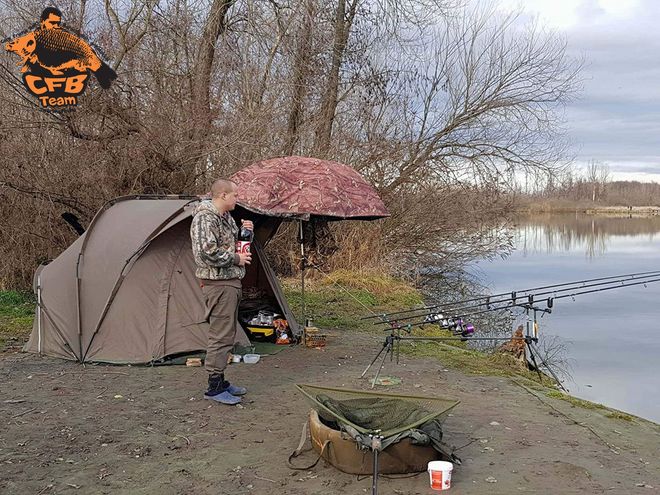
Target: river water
x,y
612,338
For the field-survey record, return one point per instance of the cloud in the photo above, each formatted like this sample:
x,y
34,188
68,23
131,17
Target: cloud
x,y
616,119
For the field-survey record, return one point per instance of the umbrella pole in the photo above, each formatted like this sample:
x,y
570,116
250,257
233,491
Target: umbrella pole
x,y
303,263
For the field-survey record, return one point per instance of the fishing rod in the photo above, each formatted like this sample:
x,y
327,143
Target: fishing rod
x,y
491,305
514,294
529,305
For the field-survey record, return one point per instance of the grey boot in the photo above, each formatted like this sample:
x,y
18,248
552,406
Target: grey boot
x,y
219,390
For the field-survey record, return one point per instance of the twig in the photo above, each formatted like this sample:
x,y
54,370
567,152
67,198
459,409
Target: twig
x,y
469,443
47,487
265,479
185,438
24,412
14,401
93,373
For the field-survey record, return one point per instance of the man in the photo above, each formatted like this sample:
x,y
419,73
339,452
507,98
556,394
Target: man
x,y
51,18
219,270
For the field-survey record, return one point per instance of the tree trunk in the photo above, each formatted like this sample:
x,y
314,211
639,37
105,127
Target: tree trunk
x,y
200,107
300,76
343,21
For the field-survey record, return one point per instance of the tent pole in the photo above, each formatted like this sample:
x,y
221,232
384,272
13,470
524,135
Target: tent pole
x,y
80,255
39,314
303,262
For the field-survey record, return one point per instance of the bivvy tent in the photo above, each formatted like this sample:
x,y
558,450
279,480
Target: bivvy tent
x,y
125,291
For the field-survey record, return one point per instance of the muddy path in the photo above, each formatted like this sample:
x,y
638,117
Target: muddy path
x,y
138,430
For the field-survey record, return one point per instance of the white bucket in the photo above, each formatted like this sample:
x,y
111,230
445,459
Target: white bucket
x,y
440,475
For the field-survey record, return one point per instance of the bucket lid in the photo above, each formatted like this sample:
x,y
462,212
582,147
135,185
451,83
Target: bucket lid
x,y
440,466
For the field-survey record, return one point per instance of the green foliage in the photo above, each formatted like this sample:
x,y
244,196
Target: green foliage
x,y
16,316
14,303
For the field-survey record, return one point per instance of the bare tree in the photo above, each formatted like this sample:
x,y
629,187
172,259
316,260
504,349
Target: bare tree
x,y
391,17
597,175
482,104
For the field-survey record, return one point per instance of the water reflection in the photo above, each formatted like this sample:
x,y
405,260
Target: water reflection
x,y
612,337
554,233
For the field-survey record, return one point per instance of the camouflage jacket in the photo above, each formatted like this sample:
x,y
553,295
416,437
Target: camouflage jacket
x,y
214,244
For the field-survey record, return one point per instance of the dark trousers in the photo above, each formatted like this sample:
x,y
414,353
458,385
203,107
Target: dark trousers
x,y
221,301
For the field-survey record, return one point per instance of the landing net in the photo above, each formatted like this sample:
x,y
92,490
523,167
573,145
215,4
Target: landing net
x,y
374,412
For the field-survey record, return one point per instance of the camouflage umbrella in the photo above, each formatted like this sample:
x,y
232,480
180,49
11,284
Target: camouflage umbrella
x,y
297,187
302,188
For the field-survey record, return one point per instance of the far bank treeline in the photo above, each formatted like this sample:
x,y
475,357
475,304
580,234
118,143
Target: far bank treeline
x,y
436,104
589,187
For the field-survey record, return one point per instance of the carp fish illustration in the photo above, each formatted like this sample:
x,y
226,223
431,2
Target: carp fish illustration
x,y
56,50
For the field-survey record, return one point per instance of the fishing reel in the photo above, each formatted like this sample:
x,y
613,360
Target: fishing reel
x,y
462,328
455,325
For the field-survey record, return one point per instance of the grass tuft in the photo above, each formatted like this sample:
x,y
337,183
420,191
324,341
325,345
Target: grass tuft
x,y
585,404
16,316
620,416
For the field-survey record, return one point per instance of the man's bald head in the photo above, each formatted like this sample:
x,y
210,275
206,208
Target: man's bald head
x,y
222,186
223,195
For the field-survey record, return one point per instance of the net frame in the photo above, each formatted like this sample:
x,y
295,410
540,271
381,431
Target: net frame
x,y
437,406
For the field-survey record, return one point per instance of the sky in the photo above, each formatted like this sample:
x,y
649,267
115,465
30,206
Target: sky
x,y
616,118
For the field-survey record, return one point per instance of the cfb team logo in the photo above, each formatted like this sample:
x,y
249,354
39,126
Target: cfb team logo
x,y
56,62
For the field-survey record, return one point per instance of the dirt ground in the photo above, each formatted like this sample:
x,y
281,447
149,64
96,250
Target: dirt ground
x,y
142,430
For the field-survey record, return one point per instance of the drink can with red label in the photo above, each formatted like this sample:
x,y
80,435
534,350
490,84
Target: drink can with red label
x,y
243,247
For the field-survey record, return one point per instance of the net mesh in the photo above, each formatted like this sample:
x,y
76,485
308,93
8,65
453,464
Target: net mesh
x,y
374,412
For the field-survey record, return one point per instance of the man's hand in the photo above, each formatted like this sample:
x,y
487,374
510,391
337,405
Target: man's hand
x,y
244,259
248,224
